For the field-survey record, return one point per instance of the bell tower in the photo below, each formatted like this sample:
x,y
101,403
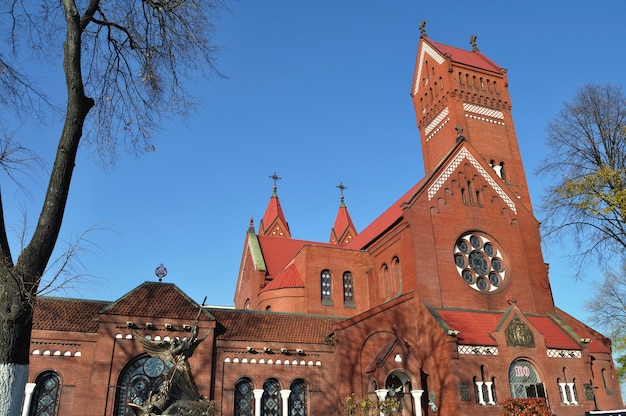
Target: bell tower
x,y
458,90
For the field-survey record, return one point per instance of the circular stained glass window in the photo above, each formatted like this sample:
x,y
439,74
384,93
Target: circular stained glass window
x,y
480,262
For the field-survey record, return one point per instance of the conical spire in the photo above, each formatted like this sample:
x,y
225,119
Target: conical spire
x,y
343,231
273,222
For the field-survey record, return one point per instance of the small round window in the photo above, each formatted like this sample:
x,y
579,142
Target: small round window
x,y
479,261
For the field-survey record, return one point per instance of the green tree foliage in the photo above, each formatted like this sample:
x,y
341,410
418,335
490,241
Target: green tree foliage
x,y
587,167
127,66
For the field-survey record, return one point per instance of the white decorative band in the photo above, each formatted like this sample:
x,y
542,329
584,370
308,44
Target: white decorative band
x,y
483,111
309,363
477,350
436,56
438,129
564,353
436,121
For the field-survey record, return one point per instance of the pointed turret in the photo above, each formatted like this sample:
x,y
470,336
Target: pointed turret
x,y
343,231
273,222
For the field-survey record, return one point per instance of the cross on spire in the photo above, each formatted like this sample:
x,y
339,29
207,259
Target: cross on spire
x,y
341,187
275,178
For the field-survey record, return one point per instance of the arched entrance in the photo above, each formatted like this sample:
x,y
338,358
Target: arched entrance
x,y
398,385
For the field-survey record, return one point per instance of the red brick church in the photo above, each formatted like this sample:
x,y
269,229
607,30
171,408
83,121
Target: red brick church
x,y
443,301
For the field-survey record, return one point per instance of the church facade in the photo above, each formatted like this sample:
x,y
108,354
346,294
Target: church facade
x,y
443,302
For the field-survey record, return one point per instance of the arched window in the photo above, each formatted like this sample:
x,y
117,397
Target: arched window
x,y
326,288
348,290
606,382
45,401
244,398
297,398
138,379
524,381
397,277
385,284
270,401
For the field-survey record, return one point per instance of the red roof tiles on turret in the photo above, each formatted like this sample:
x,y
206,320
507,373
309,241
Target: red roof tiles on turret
x,y
462,56
274,218
277,252
288,278
343,231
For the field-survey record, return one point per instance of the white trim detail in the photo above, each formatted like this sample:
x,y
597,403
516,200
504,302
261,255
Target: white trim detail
x,y
437,122
477,350
236,360
483,111
553,353
454,163
426,48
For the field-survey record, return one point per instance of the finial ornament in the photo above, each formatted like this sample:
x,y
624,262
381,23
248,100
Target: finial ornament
x,y
423,29
459,133
473,42
160,272
275,178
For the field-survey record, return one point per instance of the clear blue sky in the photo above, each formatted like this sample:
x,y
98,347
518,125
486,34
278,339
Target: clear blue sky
x,y
318,92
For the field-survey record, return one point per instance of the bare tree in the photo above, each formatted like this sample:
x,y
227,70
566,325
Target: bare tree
x,y
608,311
127,65
587,167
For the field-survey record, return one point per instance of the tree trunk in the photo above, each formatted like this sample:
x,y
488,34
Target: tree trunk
x,y
19,283
16,315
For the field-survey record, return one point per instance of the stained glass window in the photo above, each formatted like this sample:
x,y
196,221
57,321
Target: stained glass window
x,y
326,288
270,401
297,398
244,398
138,379
479,261
45,401
524,380
348,289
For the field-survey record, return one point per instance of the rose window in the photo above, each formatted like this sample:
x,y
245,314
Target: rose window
x,y
479,261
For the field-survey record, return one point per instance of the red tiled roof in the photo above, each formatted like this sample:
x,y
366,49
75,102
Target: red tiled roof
x,y
288,278
472,58
61,314
244,325
277,252
554,335
155,299
599,343
475,326
384,221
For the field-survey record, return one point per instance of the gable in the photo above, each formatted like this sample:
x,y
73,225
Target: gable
x,y
156,300
464,154
425,51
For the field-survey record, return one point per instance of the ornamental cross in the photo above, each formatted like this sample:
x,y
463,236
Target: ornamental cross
x,y
341,187
275,178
